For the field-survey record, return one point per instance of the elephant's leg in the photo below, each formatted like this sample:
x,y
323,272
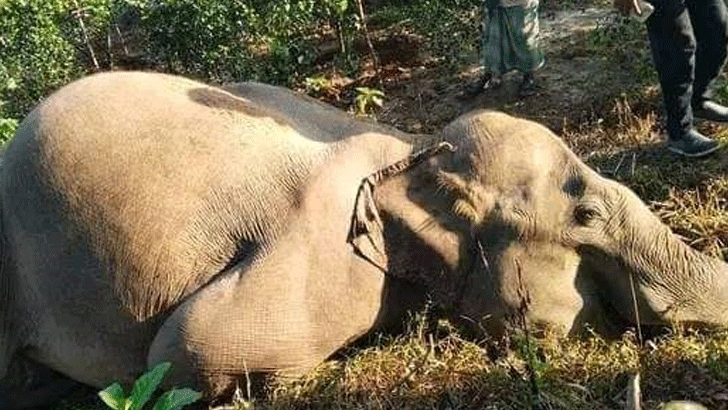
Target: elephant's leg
x,y
231,332
30,384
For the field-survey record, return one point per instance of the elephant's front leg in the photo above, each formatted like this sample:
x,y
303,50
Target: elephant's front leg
x,y
245,324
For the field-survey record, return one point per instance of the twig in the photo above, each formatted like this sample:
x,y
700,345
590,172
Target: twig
x,y
248,384
634,164
79,16
636,311
619,165
368,37
238,401
121,40
634,401
524,304
634,396
342,40
108,48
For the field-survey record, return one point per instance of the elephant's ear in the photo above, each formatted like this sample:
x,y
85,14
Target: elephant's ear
x,y
366,232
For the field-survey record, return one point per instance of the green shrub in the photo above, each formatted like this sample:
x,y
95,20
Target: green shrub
x,y
42,47
35,54
237,39
143,389
367,100
7,129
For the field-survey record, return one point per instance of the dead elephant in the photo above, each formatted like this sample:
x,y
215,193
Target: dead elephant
x,y
149,218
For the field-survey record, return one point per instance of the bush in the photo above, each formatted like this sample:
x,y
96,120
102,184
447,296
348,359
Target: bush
x,y
42,45
7,129
35,55
42,48
237,39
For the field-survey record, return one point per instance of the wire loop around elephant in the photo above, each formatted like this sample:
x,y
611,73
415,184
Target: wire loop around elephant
x,y
365,218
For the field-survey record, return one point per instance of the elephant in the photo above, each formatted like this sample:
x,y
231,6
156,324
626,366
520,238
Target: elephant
x,y
247,230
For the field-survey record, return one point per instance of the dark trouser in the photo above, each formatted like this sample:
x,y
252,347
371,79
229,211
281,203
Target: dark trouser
x,y
688,40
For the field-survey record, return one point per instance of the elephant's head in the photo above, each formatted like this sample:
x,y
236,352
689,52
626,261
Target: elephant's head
x,y
512,219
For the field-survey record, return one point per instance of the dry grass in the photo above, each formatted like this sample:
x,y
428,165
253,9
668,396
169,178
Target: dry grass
x,y
422,371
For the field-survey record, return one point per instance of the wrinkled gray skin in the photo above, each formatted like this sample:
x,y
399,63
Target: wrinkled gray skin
x,y
149,218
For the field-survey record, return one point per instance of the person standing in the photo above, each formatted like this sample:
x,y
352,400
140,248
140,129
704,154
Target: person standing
x,y
510,41
689,43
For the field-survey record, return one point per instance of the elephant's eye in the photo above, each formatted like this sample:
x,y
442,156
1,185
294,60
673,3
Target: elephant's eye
x,y
584,215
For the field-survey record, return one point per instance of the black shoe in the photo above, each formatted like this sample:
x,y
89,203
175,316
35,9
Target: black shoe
x,y
710,110
692,144
528,86
478,86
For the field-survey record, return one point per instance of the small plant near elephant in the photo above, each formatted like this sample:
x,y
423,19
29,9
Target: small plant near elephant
x,y
368,100
317,84
143,389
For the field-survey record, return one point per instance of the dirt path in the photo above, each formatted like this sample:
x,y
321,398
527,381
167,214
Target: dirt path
x,y
575,84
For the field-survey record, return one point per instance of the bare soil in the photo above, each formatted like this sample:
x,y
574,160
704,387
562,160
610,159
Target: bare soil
x,y
423,94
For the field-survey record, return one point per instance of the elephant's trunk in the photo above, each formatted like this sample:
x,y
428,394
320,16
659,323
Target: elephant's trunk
x,y
675,281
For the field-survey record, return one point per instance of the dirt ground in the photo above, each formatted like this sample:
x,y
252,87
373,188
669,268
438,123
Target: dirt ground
x,y
575,86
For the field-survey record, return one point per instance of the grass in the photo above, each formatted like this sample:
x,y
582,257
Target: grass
x,y
422,371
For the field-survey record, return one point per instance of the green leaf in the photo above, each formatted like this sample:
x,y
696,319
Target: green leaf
x,y
11,84
341,6
113,396
175,399
146,384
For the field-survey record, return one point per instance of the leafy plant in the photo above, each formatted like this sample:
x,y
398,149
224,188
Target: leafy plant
x,y
43,46
240,39
7,129
367,99
317,84
35,54
143,389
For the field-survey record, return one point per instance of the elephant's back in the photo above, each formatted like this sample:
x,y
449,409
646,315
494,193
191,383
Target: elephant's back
x,y
146,185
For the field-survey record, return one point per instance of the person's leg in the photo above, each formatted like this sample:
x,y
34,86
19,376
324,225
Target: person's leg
x,y
489,38
710,24
673,51
673,47
532,56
